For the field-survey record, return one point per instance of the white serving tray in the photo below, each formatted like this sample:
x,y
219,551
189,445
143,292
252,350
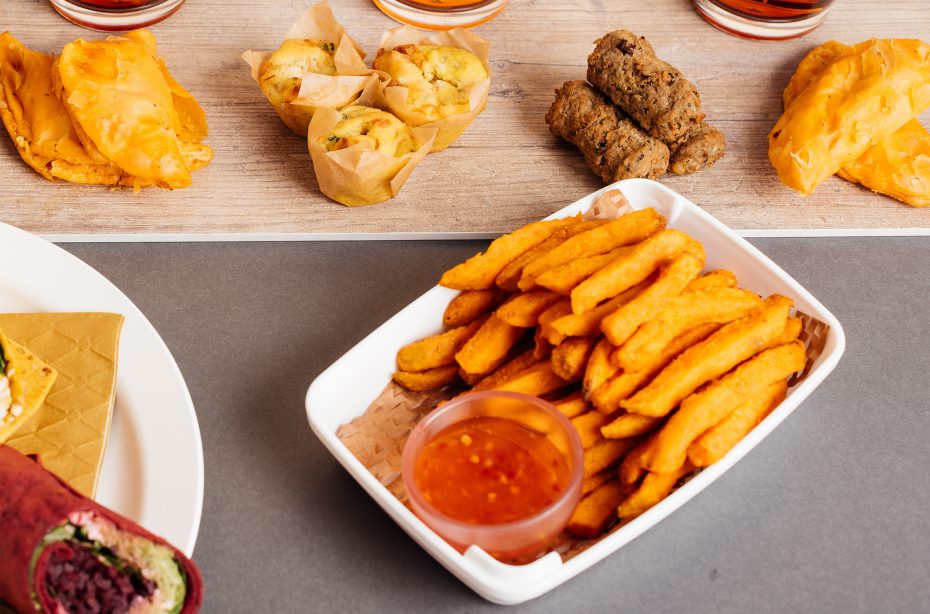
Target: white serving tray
x,y
346,389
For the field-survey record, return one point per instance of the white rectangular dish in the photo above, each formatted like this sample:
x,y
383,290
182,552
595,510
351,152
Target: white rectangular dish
x,y
346,389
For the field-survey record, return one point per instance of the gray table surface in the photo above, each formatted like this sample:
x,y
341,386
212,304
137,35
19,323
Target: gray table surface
x,y
829,514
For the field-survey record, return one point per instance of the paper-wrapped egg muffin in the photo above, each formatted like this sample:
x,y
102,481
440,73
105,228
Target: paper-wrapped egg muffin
x,y
317,65
363,155
440,81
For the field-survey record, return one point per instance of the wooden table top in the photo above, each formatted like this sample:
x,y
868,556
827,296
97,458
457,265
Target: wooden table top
x,y
504,171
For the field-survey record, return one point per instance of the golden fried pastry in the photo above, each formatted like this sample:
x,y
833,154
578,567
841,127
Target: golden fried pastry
x,y
281,74
374,129
437,79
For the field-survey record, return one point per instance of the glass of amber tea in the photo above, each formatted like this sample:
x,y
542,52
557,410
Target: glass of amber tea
x,y
764,19
441,14
116,15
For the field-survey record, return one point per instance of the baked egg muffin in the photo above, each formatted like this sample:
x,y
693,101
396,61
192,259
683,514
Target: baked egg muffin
x,y
281,74
375,129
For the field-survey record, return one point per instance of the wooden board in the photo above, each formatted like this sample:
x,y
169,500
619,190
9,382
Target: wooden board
x,y
504,171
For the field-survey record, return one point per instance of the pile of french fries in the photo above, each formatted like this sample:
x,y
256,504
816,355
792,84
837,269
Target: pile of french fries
x,y
661,368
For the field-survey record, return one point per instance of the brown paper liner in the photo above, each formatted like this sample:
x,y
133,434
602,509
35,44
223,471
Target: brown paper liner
x,y
377,437
394,97
352,75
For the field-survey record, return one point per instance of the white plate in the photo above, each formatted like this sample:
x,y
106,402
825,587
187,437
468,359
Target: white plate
x,y
346,389
153,466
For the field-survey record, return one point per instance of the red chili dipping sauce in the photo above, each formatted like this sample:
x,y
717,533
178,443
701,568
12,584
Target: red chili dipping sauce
x,y
490,471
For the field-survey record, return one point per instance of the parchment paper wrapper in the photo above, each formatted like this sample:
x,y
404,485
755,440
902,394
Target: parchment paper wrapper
x,y
394,97
377,437
70,430
318,90
355,176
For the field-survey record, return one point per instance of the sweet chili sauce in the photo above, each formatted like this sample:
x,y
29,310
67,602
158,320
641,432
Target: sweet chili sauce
x,y
490,471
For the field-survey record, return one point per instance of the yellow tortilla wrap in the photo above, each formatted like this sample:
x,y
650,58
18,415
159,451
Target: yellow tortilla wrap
x,y
30,380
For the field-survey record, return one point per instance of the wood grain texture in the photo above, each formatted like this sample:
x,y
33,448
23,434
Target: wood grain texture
x,y
504,171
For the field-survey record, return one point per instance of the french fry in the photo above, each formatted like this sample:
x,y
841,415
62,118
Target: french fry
x,y
590,483
430,379
626,230
655,487
706,408
589,323
524,309
480,271
435,351
470,378
604,454
537,380
599,369
621,324
633,466
718,278
489,346
720,439
541,346
506,371
509,277
563,278
791,332
572,405
631,269
570,357
589,427
549,316
718,305
470,305
598,510
711,358
630,425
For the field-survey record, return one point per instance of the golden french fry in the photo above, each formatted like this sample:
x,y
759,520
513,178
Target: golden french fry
x,y
541,346
572,405
630,425
704,409
792,331
506,371
598,510
589,427
435,351
631,228
509,278
549,316
621,324
715,305
589,322
564,278
524,309
602,455
470,378
590,483
718,278
479,271
720,439
599,369
536,380
631,269
711,358
655,487
570,357
633,466
489,346
419,381
469,306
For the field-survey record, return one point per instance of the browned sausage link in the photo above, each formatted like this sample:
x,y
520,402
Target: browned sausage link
x,y
654,93
701,146
613,145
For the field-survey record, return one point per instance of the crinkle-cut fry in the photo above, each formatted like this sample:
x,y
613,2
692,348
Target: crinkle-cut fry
x,y
506,371
556,311
589,427
718,278
599,368
681,313
489,346
431,379
622,323
536,380
564,278
589,322
470,305
590,483
570,357
597,510
509,278
655,487
720,439
572,405
435,351
625,230
524,309
711,358
630,425
480,271
604,454
631,269
707,407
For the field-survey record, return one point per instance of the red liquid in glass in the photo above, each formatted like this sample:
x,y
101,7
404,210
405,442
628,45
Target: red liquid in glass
x,y
774,10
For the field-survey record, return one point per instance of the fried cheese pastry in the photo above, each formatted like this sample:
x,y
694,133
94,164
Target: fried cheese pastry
x,y
613,146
